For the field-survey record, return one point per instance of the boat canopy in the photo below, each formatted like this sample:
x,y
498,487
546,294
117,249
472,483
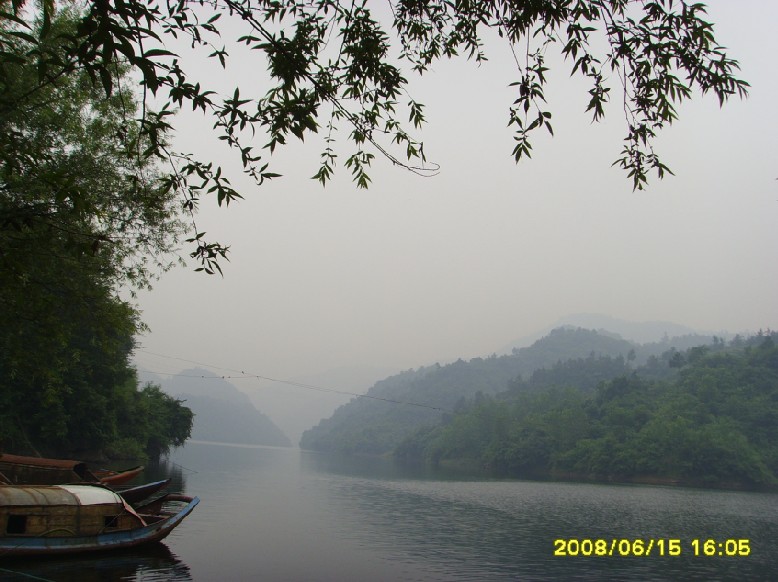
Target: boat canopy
x,y
57,495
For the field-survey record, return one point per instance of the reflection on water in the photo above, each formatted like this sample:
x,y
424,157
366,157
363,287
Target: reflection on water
x,y
281,514
154,563
165,469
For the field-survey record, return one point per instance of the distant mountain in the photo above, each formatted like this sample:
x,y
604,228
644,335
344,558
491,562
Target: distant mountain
x,y
639,332
405,402
222,412
705,416
296,408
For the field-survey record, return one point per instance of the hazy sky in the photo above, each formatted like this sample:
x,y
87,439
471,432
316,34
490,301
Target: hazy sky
x,y
418,270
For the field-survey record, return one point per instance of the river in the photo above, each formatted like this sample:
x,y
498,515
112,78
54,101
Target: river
x,y
283,514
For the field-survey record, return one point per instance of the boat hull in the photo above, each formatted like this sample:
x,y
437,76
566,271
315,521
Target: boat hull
x,y
114,478
15,546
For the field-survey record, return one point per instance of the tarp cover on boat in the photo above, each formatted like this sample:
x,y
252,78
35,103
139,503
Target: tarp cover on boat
x,y
61,495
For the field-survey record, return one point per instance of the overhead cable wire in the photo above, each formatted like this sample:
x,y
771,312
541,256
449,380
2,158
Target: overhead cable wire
x,y
246,375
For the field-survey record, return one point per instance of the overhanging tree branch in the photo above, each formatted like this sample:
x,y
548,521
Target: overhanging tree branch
x,y
661,51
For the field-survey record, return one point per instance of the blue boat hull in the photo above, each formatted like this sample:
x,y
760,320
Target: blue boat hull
x,y
11,546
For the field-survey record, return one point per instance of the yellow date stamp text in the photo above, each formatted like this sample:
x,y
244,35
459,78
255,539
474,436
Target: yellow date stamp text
x,y
651,547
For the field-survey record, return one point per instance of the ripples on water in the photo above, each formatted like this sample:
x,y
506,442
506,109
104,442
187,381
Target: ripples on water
x,y
505,530
276,514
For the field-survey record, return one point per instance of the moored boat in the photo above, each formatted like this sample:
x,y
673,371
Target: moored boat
x,y
22,470
114,478
52,520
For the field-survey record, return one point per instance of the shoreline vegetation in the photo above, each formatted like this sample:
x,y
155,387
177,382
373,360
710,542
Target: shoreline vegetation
x,y
84,224
712,424
145,424
705,416
472,469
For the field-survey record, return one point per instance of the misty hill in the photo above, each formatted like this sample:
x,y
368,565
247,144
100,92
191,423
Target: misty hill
x,y
711,422
371,426
222,412
295,408
640,332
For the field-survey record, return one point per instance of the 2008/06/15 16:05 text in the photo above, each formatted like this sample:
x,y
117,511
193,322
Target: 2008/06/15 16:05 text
x,y
651,547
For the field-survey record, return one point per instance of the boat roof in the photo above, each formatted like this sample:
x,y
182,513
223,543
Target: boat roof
x,y
40,462
29,495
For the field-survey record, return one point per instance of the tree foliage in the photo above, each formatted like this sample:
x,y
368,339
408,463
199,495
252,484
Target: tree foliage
x,y
80,216
336,66
71,175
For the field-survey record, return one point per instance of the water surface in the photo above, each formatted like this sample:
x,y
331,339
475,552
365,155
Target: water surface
x,y
282,514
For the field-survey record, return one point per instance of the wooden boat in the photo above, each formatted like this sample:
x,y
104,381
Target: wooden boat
x,y
114,478
39,520
18,469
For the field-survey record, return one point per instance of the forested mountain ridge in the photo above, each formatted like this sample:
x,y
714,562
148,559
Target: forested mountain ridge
x,y
366,425
713,422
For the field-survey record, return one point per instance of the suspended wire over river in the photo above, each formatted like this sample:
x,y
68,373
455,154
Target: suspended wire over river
x,y
246,375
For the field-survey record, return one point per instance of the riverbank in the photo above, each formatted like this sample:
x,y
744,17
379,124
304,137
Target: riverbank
x,y
469,468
